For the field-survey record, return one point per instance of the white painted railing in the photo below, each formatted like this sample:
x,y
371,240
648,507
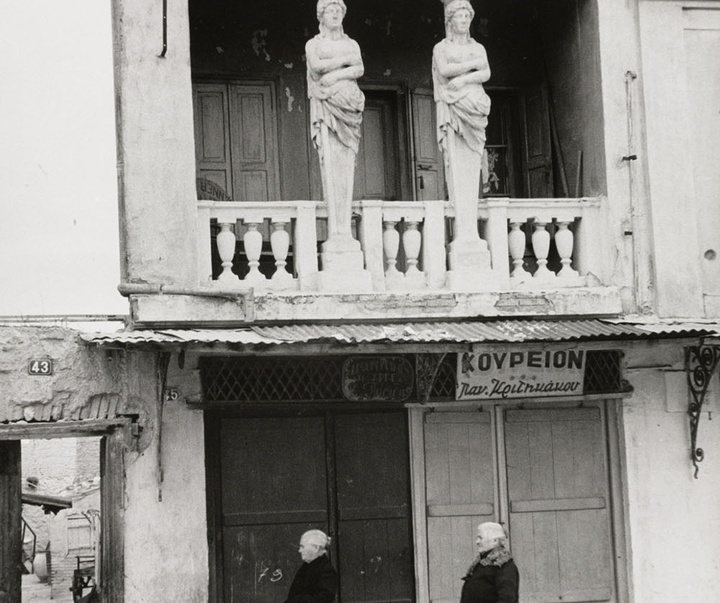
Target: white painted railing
x,y
533,243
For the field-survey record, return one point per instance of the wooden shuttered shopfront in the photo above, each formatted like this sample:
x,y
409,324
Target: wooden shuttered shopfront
x,y
401,484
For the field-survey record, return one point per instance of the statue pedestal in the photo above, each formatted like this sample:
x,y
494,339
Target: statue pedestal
x,y
470,268
343,267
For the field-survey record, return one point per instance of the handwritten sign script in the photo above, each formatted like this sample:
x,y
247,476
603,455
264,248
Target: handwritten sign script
x,y
377,378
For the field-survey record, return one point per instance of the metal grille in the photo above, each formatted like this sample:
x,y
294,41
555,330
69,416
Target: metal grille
x,y
602,372
444,386
318,378
292,378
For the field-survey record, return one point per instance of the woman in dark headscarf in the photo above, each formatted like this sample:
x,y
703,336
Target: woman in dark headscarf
x,y
493,576
316,580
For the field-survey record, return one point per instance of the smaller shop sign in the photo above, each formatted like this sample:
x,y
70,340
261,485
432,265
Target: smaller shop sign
x,y
520,372
377,378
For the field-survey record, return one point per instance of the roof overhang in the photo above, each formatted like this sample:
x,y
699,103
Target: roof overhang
x,y
465,332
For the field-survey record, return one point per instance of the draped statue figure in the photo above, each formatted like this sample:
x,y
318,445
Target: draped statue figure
x,y
460,68
334,64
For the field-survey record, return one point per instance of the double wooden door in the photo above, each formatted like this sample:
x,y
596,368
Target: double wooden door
x,y
346,474
544,474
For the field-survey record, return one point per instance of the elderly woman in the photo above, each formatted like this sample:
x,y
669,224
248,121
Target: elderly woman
x,y
316,581
493,577
334,63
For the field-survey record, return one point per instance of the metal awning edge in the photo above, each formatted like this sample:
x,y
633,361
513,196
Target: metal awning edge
x,y
487,331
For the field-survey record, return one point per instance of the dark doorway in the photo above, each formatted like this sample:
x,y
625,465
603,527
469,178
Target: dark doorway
x,y
276,477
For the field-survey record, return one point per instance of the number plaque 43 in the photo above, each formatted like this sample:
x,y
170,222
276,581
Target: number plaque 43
x,y
40,366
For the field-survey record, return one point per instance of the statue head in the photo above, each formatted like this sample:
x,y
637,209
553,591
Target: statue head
x,y
452,7
323,4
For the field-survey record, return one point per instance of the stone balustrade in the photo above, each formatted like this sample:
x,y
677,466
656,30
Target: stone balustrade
x,y
273,246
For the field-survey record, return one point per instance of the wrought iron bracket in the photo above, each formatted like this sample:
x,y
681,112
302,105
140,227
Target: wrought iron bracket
x,y
700,364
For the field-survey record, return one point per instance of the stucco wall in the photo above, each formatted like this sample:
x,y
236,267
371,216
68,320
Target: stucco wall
x,y
165,520
156,162
674,519
627,209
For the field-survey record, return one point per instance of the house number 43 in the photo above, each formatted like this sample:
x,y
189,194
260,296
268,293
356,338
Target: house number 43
x,y
40,366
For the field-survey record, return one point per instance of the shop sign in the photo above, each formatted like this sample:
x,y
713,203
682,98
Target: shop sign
x,y
520,372
377,378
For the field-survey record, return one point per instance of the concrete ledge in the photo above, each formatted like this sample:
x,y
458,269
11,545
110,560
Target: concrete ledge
x,y
188,310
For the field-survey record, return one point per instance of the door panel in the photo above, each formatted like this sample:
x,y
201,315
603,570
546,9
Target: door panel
x,y
212,140
377,171
376,559
345,474
273,489
428,161
538,158
459,479
254,155
558,502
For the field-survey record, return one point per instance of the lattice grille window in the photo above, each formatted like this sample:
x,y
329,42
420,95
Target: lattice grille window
x,y
292,378
319,378
602,372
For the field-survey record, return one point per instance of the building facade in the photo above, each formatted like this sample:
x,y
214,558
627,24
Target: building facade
x,y
254,393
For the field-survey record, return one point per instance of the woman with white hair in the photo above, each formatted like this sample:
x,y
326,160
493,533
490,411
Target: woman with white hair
x,y
316,581
493,576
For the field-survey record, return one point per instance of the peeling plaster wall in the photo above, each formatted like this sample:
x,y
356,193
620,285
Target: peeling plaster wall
x,y
87,382
166,556
674,519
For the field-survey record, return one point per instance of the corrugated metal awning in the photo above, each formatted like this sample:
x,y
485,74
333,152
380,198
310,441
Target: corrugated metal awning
x,y
490,331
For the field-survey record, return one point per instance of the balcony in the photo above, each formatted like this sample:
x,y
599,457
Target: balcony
x,y
262,261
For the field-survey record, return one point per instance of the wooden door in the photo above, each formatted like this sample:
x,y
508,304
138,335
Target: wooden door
x,y
273,488
460,485
10,520
558,493
374,545
428,160
254,148
346,474
537,160
236,142
212,141
377,171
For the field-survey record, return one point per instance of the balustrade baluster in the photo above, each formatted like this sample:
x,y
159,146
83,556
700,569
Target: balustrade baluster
x,y
412,240
225,241
391,244
280,245
541,248
516,245
565,241
253,249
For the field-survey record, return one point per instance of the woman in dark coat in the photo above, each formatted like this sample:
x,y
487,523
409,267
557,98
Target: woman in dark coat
x,y
493,576
316,581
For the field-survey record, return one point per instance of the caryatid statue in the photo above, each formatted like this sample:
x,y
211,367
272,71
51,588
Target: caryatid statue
x,y
460,68
334,64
